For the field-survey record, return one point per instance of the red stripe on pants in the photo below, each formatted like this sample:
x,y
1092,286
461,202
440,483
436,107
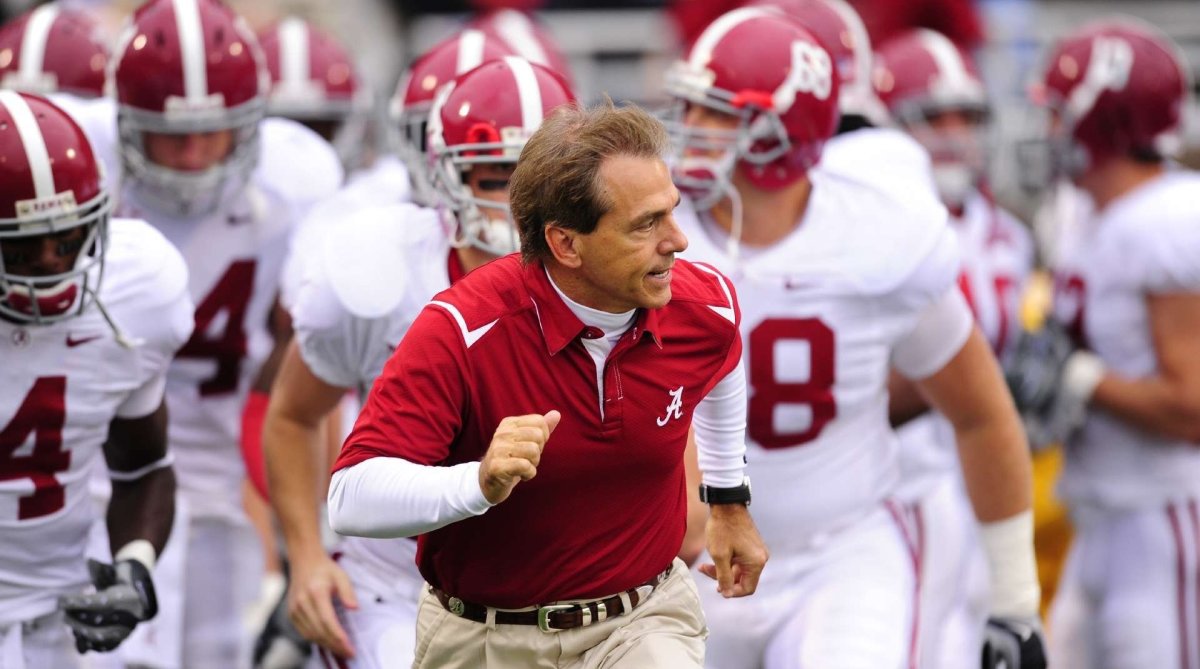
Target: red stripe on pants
x,y
1181,588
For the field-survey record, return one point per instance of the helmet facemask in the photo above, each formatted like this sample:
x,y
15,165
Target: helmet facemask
x,y
958,151
463,209
705,158
47,299
183,193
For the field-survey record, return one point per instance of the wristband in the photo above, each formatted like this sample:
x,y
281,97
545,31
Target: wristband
x,y
736,495
139,550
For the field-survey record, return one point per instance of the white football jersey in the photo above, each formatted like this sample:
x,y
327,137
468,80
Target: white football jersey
x,y
296,162
386,182
823,313
997,257
349,317
1144,243
887,157
63,384
235,260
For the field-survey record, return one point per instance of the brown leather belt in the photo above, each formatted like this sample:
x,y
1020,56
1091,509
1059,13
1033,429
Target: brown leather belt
x,y
556,617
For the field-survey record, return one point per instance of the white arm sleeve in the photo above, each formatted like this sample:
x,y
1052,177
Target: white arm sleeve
x,y
146,399
940,332
391,497
720,425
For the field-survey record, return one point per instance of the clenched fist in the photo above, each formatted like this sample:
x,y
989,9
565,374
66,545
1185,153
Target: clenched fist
x,y
514,453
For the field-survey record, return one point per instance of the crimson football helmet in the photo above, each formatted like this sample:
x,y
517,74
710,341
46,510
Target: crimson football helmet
x,y
313,81
526,37
414,96
53,49
1116,88
181,67
484,118
840,30
777,80
923,77
51,184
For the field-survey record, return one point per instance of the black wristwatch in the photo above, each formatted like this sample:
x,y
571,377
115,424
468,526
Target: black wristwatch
x,y
737,495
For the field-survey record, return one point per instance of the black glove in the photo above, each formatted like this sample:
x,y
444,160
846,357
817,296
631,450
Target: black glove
x,y
1013,644
123,598
280,646
1037,375
1035,369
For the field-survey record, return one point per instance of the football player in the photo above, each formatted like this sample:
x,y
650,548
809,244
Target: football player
x,y
934,92
91,312
841,276
1122,384
190,87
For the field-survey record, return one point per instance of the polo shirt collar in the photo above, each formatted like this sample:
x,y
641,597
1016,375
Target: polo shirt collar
x,y
560,326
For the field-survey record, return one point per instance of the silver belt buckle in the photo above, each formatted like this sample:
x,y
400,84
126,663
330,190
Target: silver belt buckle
x,y
544,615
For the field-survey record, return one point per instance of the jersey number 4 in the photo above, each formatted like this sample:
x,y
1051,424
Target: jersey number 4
x,y
768,392
231,297
42,413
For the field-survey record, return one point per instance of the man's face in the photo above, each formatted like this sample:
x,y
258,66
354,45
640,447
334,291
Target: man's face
x,y
188,152
43,255
626,261
952,135
489,182
699,117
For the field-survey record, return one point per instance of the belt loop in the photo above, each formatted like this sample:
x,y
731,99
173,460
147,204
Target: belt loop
x,y
490,621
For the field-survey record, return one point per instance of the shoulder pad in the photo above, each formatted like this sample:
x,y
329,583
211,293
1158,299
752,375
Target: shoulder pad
x,y
296,162
141,266
367,257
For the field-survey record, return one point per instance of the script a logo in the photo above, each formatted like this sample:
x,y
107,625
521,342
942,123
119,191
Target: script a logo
x,y
675,408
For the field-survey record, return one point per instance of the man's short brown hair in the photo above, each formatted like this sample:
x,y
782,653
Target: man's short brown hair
x,y
557,179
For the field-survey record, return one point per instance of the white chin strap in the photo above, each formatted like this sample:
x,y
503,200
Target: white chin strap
x,y
497,237
954,182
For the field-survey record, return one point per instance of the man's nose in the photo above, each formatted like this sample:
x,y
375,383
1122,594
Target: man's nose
x,y
46,260
676,241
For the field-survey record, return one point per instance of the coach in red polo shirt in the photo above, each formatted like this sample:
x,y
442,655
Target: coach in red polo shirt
x,y
531,425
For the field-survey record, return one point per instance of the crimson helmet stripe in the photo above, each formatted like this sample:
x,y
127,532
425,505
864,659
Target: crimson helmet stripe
x,y
470,51
528,91
33,142
191,43
294,66
702,51
33,43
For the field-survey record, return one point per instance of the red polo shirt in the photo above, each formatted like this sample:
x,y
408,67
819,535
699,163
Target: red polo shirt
x,y
607,509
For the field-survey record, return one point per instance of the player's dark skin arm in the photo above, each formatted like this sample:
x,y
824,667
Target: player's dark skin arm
x,y
143,508
904,402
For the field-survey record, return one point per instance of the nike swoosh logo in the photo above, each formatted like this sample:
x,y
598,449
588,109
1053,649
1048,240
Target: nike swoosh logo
x,y
796,284
72,342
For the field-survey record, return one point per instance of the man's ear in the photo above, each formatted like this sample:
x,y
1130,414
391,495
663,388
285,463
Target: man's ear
x,y
562,243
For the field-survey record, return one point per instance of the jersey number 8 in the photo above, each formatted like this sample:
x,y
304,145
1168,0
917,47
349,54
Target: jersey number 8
x,y
767,392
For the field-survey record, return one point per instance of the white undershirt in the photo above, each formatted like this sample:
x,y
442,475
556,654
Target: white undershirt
x,y
392,497
614,326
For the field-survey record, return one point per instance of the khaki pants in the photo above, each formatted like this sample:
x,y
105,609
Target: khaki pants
x,y
667,630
